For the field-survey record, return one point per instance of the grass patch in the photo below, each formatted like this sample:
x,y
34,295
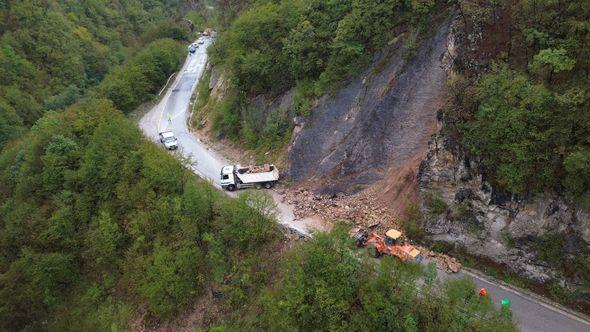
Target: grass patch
x,y
434,202
303,97
507,239
461,211
412,222
549,248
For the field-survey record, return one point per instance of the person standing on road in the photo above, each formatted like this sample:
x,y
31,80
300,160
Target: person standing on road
x,y
169,116
483,292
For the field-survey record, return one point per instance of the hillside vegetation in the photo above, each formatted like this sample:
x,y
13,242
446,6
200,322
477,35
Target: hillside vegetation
x,y
324,286
527,117
52,51
96,220
311,45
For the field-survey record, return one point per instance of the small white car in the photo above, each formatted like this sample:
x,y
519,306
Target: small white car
x,y
201,42
193,48
169,140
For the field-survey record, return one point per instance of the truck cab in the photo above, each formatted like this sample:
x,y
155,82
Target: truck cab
x,y
169,140
228,180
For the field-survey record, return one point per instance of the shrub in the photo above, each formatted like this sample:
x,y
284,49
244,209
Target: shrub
x,y
412,222
434,202
549,248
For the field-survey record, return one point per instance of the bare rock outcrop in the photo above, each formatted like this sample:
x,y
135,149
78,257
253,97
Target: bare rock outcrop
x,y
380,119
536,237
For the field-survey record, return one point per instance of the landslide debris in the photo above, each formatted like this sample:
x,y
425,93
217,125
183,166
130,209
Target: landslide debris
x,y
362,211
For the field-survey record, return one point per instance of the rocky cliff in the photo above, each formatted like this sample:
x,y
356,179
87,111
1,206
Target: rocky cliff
x,y
540,238
381,119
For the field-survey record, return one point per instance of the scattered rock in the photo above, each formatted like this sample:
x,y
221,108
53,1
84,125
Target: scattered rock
x,y
360,210
443,262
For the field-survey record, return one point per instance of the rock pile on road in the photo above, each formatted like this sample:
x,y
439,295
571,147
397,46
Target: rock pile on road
x,y
359,210
443,262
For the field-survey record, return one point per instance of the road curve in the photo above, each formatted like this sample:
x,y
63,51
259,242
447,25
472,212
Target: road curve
x,y
172,113
529,313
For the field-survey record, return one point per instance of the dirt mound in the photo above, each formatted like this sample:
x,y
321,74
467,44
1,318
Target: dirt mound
x,y
382,118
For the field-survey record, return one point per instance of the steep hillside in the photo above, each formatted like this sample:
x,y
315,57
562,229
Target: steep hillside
x,y
504,85
506,179
297,51
381,120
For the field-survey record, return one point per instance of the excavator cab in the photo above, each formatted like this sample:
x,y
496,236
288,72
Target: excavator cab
x,y
391,237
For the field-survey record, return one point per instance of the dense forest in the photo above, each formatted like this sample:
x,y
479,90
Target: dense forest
x,y
98,226
96,220
527,118
52,52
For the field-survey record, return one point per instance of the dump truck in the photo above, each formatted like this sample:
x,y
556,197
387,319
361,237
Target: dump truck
x,y
390,244
238,177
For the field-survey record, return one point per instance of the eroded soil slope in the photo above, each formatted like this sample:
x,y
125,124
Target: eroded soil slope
x,y
380,120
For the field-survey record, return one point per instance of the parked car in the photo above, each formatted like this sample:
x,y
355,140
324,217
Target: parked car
x,y
169,140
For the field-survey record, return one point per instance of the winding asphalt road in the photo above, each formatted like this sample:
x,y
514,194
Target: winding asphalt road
x,y
530,313
172,113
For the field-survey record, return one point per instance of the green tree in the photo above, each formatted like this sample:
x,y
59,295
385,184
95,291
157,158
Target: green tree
x,y
510,131
33,284
103,241
577,180
171,279
61,159
550,61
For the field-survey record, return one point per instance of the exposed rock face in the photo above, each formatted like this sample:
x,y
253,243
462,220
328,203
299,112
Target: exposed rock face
x,y
503,228
380,119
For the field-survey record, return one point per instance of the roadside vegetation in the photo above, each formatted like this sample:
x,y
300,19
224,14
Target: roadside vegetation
x,y
141,77
96,221
310,46
323,285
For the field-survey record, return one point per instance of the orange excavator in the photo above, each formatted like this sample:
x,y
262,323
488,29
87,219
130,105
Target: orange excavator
x,y
390,244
